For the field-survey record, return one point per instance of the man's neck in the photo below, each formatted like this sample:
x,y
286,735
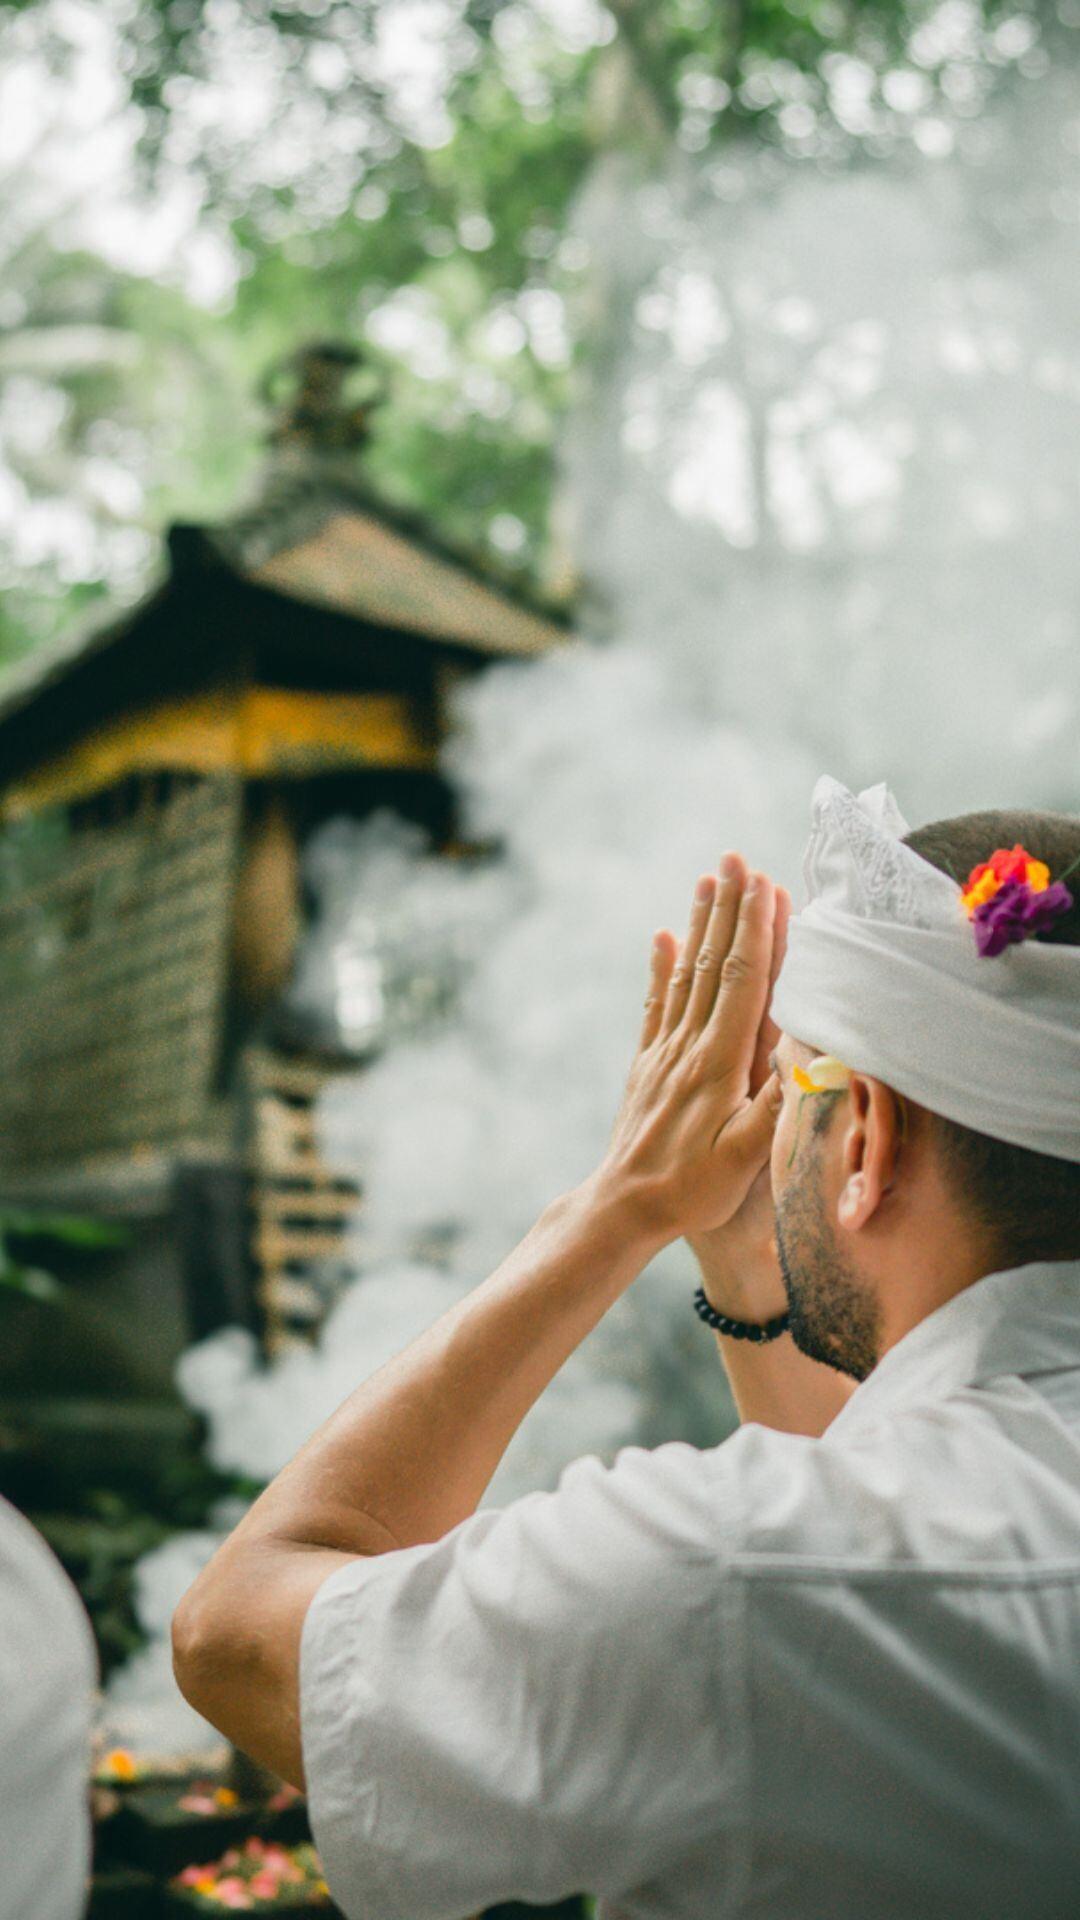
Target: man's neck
x,y
936,1262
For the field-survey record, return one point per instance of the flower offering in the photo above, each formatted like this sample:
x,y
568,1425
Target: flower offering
x,y
203,1797
1010,897
117,1768
259,1877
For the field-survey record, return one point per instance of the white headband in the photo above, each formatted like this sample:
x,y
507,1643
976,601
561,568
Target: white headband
x,y
882,970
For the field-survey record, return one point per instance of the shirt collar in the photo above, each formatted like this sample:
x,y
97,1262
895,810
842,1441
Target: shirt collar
x,y
1024,1320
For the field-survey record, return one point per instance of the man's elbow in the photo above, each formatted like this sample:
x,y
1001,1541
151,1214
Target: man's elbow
x,y
201,1654
235,1645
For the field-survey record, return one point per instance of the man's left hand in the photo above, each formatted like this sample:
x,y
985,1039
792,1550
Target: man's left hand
x,y
692,1136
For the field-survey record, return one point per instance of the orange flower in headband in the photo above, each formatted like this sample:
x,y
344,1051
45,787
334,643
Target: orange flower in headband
x,y
1010,897
1018,864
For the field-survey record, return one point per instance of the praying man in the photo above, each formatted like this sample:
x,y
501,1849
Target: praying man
x,y
829,1669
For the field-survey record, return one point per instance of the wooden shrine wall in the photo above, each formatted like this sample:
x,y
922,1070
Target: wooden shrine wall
x,y
300,1207
114,952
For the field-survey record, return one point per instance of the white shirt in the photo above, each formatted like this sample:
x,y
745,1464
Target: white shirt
x,y
794,1679
48,1670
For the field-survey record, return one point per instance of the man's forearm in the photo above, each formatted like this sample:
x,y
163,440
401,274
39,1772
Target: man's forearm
x,y
411,1452
406,1458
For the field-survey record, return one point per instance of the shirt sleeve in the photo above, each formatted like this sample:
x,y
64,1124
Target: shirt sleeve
x,y
528,1708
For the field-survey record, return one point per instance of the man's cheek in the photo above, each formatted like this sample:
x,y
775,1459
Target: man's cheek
x,y
782,1143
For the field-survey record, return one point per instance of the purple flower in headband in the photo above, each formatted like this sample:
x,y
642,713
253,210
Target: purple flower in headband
x,y
1016,912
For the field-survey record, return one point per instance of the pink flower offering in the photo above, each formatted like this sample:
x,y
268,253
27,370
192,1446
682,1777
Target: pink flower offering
x,y
259,1875
197,1803
231,1892
281,1862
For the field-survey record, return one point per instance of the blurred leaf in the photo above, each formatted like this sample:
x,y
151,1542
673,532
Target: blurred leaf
x,y
73,1230
69,1230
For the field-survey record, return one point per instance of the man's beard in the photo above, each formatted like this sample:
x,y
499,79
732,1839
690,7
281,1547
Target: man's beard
x,y
832,1318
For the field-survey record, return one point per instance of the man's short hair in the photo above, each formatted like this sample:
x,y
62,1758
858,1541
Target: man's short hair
x,y
1028,1202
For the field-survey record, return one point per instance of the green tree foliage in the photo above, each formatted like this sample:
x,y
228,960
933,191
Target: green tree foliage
x,y
399,174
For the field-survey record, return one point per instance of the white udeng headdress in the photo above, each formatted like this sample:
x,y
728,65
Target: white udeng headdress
x,y
882,971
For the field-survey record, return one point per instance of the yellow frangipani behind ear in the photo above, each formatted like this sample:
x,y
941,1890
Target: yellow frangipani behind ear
x,y
826,1074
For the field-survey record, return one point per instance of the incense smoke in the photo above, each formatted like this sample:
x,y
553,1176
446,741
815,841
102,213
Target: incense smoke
x,y
825,489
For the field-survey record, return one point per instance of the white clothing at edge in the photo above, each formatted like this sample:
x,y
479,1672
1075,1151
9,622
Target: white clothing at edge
x,y
48,1670
793,1679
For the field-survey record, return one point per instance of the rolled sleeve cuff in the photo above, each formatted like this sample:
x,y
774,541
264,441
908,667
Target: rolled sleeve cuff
x,y
342,1794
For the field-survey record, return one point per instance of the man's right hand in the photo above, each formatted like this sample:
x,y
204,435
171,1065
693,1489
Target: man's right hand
x,y
775,1385
740,1272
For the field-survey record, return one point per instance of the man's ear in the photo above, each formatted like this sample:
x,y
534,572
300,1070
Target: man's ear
x,y
869,1152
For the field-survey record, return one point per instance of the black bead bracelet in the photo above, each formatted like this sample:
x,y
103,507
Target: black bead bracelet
x,y
739,1329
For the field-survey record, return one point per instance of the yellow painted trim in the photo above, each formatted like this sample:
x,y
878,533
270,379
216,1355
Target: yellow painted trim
x,y
259,731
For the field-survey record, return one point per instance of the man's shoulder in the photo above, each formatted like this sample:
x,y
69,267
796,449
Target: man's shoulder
x,y
971,1477
677,1520
757,1491
679,1507
982,1476
660,1496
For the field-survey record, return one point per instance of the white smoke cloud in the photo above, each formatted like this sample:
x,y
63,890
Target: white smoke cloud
x,y
825,488
145,1711
259,1418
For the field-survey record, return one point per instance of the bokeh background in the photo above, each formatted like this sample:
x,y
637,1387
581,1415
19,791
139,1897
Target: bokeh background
x,y
654,405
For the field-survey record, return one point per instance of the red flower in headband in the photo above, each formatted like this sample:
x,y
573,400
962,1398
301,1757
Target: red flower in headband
x,y
1010,897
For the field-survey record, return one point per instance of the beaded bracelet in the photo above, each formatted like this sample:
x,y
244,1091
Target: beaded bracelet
x,y
739,1329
